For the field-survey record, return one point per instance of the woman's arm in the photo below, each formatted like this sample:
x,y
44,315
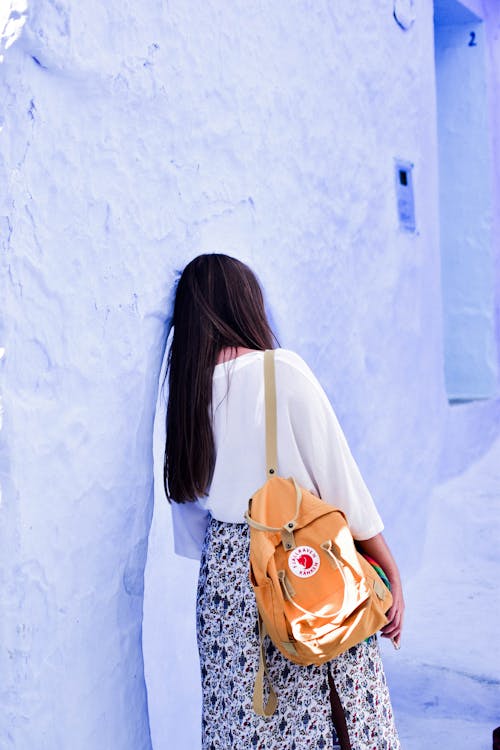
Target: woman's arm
x,y
377,548
337,479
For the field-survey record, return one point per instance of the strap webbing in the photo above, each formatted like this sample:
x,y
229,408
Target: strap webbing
x,y
271,470
258,691
271,417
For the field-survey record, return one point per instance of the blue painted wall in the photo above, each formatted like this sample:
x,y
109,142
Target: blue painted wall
x,y
465,196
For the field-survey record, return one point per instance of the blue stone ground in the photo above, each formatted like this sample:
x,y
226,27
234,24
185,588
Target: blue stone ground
x,y
445,681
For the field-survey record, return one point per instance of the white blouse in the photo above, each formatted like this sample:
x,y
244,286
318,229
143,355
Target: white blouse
x,y
311,447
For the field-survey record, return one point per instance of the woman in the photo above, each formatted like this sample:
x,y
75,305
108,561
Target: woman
x,y
214,461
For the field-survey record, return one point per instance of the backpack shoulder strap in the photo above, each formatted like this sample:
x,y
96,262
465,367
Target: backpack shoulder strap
x,y
271,416
261,708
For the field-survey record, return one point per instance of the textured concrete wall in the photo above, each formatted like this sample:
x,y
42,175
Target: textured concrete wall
x,y
131,141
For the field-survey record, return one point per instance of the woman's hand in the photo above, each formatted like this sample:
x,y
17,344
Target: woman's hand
x,y
395,615
377,548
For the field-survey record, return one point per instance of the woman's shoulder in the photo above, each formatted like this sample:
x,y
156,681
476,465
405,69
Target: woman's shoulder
x,y
292,360
299,386
291,364
293,374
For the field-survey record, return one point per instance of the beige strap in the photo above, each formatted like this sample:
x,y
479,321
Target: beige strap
x,y
258,691
271,470
271,417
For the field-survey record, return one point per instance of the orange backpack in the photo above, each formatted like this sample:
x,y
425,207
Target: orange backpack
x,y
316,594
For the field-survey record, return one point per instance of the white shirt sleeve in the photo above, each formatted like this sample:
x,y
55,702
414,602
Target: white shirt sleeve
x,y
326,454
189,523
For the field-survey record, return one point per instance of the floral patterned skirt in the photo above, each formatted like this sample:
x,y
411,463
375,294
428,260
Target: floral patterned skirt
x,y
228,643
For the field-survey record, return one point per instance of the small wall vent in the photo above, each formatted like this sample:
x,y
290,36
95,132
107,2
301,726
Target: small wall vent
x,y
404,195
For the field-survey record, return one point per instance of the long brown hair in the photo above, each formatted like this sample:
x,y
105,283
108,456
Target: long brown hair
x,y
218,303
